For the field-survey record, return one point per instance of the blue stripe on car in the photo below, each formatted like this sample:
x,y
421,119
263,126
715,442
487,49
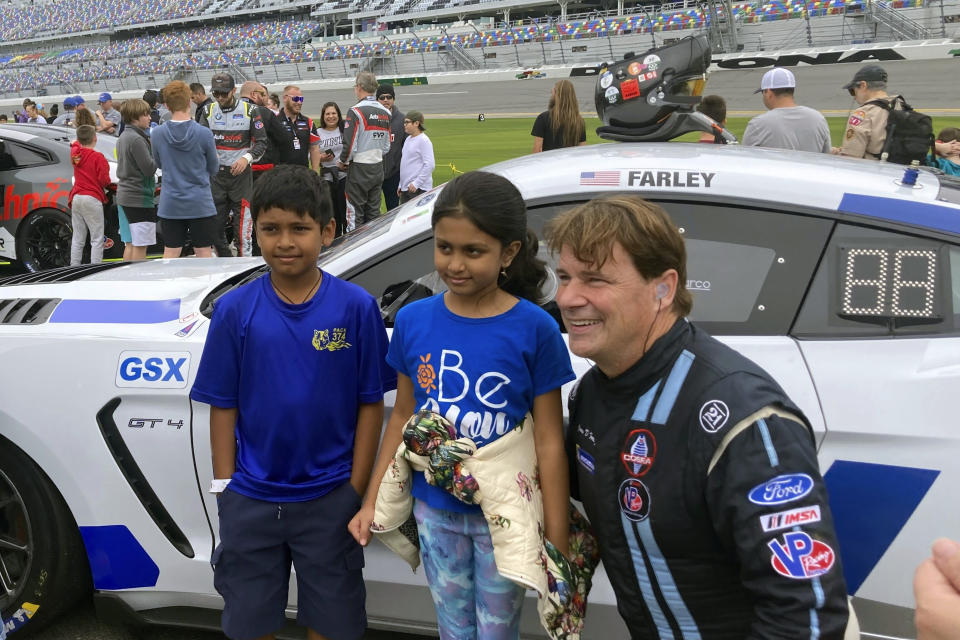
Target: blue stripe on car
x,y
117,311
871,503
117,560
924,214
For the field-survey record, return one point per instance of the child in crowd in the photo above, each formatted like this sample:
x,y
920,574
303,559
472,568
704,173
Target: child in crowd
x,y
136,179
186,153
947,158
294,371
482,354
91,175
714,107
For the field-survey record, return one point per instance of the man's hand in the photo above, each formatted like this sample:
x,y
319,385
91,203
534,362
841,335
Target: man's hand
x,y
359,526
936,587
341,166
239,166
411,189
328,155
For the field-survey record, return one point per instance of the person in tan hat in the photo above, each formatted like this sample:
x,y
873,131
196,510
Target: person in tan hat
x,y
866,129
416,162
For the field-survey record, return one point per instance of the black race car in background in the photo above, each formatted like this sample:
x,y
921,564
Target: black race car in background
x,y
36,176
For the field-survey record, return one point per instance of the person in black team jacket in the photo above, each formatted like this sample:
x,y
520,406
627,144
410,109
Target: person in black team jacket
x,y
698,473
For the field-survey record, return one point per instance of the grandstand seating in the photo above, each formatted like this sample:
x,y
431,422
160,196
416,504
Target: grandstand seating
x,y
280,42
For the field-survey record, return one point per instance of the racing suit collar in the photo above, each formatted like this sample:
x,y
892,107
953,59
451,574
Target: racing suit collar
x,y
658,357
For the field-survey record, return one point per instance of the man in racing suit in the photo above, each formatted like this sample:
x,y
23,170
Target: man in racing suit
x,y
698,473
240,138
366,139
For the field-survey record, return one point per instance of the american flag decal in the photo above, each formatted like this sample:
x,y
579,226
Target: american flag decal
x,y
599,178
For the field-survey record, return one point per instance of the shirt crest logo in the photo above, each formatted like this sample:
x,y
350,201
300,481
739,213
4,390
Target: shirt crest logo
x,y
426,376
322,340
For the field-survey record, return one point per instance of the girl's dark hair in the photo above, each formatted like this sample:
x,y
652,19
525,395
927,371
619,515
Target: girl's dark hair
x,y
494,205
323,110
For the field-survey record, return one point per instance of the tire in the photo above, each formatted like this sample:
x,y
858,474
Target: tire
x,y
43,240
42,558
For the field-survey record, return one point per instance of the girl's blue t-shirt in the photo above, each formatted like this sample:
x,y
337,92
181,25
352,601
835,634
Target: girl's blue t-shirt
x,y
482,374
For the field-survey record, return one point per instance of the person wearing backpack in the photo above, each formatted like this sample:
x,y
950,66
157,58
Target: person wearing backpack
x,y
884,127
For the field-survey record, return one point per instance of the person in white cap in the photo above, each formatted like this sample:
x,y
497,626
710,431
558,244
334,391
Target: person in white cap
x,y
786,125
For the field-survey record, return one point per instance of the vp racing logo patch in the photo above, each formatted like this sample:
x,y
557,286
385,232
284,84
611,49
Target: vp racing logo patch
x,y
781,489
800,557
638,452
634,500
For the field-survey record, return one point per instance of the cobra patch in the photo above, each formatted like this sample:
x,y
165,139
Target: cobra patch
x,y
634,500
639,451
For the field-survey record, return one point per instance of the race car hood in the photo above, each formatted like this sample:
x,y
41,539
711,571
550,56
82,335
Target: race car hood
x,y
129,300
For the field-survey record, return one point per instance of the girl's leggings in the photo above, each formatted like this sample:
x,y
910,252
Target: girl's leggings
x,y
473,601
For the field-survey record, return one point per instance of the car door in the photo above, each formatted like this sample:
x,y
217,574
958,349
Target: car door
x,y
880,332
748,269
18,162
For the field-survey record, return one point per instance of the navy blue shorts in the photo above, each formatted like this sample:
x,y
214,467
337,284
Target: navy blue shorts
x,y
259,541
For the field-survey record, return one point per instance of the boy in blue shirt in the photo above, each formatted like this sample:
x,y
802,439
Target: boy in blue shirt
x,y
294,372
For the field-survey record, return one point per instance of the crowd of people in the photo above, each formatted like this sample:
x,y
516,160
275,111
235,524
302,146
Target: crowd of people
x,y
788,125
211,149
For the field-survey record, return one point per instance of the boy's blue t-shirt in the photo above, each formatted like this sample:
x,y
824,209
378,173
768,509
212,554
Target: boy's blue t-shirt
x,y
482,374
297,374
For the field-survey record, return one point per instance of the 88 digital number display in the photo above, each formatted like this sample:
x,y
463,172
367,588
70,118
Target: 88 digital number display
x,y
887,283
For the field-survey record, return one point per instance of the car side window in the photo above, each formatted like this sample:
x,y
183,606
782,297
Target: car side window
x,y
747,268
408,275
17,156
401,278
876,283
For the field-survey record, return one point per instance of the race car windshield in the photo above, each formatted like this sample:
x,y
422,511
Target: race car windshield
x,y
359,237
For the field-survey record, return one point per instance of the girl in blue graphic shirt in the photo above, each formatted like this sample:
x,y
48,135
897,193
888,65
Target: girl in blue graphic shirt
x,y
482,354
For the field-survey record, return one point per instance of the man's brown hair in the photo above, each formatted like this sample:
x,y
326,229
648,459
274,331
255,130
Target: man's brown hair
x,y
176,96
131,110
86,134
643,229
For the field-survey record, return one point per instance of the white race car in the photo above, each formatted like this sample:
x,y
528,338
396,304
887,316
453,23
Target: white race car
x,y
835,275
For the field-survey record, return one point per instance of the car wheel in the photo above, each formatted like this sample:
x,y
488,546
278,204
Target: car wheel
x,y
43,240
42,559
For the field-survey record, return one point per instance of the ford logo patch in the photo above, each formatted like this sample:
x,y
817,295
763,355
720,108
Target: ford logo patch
x,y
782,489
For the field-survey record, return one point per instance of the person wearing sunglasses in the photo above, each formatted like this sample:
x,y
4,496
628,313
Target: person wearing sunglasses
x,y
866,130
391,161
241,140
298,141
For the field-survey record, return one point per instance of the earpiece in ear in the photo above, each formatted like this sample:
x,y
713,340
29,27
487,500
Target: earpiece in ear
x,y
662,291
